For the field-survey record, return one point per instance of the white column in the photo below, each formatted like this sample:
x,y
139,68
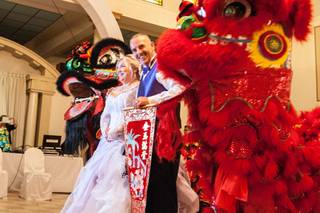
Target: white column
x,y
30,130
43,118
40,90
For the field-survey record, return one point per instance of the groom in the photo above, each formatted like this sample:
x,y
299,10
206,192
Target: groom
x,y
153,89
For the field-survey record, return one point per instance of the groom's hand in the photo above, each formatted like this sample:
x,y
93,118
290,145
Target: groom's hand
x,y
142,101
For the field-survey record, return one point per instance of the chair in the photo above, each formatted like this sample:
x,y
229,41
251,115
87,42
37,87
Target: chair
x,y
36,183
3,180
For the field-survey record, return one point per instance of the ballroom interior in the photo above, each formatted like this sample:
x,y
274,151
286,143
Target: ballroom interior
x,y
37,35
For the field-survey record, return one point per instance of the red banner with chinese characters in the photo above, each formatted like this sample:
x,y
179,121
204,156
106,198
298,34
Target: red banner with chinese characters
x,y
139,136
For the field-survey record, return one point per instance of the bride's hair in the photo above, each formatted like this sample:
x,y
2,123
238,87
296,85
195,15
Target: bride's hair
x,y
132,63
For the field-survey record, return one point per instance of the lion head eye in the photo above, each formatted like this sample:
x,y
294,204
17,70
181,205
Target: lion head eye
x,y
237,9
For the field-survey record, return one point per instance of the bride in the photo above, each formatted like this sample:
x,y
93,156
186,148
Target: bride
x,y
102,185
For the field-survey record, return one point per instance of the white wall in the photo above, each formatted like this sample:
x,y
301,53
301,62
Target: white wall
x,y
304,87
316,8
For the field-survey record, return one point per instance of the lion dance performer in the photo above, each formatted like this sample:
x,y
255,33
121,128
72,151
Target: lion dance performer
x,y
254,153
86,75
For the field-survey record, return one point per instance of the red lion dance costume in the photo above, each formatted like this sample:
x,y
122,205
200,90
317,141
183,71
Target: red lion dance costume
x,y
255,154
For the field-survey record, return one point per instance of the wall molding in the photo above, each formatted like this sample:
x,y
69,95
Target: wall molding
x,y
34,60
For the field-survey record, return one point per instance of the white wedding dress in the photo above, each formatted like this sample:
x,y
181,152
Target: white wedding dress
x,y
102,185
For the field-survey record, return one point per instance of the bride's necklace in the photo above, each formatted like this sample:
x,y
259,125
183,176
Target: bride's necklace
x,y
124,88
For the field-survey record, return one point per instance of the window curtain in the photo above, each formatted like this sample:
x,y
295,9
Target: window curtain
x,y
13,87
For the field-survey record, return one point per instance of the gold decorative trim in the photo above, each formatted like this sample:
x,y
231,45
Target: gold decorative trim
x,y
157,2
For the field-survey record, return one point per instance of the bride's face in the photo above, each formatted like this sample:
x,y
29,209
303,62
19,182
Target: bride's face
x,y
125,75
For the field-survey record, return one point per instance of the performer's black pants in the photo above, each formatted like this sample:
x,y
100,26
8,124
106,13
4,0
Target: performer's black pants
x,y
162,192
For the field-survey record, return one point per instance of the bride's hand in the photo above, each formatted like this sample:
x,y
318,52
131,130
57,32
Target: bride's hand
x,y
115,133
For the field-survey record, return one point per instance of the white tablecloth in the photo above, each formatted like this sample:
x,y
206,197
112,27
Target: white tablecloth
x,y
64,171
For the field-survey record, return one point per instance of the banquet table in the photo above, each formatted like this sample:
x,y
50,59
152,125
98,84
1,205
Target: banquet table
x,y
64,170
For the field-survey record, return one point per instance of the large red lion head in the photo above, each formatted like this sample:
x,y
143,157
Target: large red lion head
x,y
215,36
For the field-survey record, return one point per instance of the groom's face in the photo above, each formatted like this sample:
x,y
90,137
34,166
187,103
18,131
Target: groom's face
x,y
143,49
